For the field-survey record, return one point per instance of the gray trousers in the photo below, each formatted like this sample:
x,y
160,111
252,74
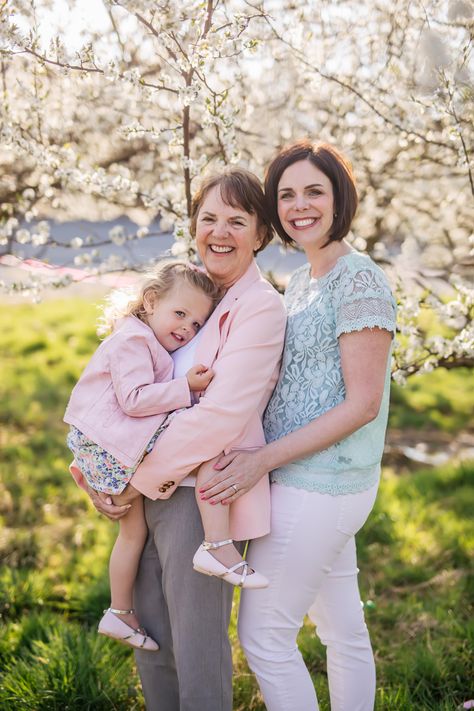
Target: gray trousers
x,y
186,612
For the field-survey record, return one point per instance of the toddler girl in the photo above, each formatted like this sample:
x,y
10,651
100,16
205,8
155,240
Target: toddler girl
x,y
119,407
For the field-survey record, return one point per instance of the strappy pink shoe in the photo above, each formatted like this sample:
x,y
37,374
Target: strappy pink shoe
x,y
204,562
112,626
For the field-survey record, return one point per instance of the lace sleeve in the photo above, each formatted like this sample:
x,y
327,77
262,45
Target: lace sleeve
x,y
364,300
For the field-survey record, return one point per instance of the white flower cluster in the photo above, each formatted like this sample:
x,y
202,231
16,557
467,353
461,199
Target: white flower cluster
x,y
189,94
195,167
113,263
7,230
133,118
451,319
184,244
118,235
86,259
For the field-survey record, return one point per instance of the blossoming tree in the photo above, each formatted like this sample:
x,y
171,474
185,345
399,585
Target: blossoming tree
x,y
163,90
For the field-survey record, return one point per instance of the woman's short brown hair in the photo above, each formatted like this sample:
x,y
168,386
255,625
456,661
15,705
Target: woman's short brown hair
x,y
334,166
240,189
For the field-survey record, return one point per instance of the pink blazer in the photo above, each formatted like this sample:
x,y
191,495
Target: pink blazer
x,y
242,342
126,391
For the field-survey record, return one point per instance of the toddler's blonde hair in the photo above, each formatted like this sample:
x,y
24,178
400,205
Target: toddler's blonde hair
x,y
159,282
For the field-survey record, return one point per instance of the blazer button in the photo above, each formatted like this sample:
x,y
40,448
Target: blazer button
x,y
169,484
162,489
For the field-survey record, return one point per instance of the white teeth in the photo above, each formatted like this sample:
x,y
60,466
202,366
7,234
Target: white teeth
x,y
305,222
220,248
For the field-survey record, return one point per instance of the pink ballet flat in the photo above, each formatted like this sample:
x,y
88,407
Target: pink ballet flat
x,y
112,626
204,562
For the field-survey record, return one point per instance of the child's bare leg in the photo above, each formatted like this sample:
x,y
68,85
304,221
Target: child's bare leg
x,y
125,558
215,520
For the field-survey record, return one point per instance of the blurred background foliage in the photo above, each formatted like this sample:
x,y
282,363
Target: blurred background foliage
x,y
414,550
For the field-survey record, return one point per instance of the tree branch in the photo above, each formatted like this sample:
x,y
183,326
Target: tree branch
x,y
348,87
82,68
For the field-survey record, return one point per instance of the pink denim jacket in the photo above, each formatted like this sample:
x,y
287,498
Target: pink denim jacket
x,y
126,391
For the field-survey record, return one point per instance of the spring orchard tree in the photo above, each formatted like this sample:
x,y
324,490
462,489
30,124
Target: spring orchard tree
x,y
132,113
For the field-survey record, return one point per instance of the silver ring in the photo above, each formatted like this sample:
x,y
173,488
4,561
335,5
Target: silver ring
x,y
234,487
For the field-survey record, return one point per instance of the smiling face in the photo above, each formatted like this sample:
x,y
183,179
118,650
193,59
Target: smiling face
x,y
306,204
226,238
176,317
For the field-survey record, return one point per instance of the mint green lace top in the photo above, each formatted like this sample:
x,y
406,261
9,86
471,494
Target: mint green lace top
x,y
353,295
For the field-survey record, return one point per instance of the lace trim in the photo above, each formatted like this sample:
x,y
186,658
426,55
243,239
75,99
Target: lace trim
x,y
369,305
365,322
334,488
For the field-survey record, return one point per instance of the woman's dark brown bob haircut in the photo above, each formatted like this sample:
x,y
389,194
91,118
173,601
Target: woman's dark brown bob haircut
x,y
240,189
334,166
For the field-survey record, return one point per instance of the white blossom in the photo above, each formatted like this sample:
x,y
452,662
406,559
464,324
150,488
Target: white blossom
x,y
118,235
399,377
179,249
39,238
23,236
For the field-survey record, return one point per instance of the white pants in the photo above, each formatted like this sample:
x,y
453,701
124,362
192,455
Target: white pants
x,y
310,559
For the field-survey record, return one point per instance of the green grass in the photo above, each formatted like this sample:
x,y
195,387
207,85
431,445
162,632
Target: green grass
x,y
414,550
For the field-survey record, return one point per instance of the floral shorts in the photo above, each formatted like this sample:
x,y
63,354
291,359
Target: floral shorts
x,y
103,471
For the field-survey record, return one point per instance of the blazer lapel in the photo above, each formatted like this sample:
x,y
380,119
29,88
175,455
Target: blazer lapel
x,y
210,341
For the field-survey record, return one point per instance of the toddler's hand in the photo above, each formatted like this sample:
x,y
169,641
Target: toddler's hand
x,y
199,377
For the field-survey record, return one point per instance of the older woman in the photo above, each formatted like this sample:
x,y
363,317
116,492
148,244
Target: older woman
x,y
186,612
325,425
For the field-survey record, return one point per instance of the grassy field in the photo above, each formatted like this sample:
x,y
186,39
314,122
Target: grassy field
x,y
414,550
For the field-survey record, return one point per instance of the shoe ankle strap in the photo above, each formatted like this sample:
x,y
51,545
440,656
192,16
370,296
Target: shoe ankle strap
x,y
120,612
207,545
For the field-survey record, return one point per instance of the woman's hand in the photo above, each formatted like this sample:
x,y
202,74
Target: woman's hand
x,y
238,473
104,505
128,495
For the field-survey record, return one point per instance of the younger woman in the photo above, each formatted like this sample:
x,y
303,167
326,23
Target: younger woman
x,y
325,427
119,407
